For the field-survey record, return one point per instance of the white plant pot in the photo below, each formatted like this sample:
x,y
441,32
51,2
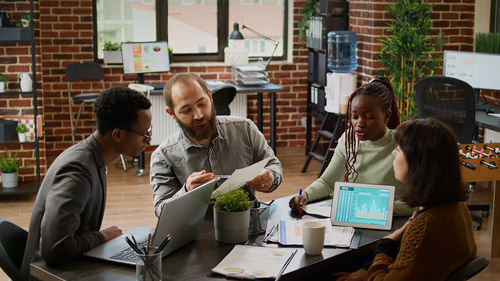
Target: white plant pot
x,y
231,227
9,180
112,57
2,87
22,137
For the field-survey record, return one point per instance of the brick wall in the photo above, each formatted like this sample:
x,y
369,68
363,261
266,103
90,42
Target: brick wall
x,y
64,36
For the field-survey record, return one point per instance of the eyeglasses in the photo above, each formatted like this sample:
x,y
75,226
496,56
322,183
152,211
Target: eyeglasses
x,y
147,135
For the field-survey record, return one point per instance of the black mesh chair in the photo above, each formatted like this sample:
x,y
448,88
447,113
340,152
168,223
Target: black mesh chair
x,y
450,100
81,71
12,244
222,97
469,269
453,102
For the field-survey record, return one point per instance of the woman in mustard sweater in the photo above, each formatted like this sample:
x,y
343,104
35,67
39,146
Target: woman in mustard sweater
x,y
438,239
363,152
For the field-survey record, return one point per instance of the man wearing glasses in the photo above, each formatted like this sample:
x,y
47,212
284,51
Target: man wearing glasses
x,y
207,145
67,215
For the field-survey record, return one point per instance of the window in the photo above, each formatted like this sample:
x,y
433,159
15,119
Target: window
x,y
195,29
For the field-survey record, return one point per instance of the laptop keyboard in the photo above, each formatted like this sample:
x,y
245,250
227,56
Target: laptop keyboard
x,y
128,254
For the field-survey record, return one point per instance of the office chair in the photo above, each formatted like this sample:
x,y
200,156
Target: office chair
x,y
453,102
12,244
222,97
80,71
469,269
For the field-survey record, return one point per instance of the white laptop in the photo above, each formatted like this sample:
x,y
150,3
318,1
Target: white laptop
x,y
181,217
362,205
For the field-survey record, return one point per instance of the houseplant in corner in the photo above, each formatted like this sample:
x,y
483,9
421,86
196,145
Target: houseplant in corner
x,y
22,131
10,168
232,216
112,52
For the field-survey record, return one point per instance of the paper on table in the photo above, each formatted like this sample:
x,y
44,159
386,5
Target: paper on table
x,y
494,114
322,208
254,262
290,233
240,177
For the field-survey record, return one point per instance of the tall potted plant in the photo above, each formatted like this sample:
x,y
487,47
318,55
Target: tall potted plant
x,y
232,216
410,52
10,168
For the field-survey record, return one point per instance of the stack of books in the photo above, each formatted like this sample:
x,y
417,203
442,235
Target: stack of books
x,y
250,74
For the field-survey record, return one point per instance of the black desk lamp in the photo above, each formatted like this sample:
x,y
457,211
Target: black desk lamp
x,y
236,35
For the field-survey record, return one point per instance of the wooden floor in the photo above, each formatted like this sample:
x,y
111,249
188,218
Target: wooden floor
x,y
130,203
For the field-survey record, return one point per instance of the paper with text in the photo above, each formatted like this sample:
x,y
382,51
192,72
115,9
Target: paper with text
x,y
240,177
290,233
322,208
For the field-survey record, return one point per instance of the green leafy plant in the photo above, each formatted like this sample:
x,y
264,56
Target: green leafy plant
x,y
307,11
9,164
21,128
3,78
233,201
410,53
487,43
110,46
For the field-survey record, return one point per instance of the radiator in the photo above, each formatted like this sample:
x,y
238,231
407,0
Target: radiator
x,y
164,125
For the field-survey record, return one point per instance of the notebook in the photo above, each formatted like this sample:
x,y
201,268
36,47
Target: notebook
x,y
362,205
181,217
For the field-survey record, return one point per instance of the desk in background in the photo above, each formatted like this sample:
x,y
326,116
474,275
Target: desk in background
x,y
270,88
195,260
487,121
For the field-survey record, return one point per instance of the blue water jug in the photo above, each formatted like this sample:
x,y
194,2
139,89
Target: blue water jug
x,y
342,51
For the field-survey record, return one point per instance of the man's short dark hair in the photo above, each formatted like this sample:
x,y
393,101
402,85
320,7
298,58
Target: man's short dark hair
x,y
183,78
117,107
434,168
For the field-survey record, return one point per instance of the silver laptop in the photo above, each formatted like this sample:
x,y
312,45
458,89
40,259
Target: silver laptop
x,y
181,217
362,205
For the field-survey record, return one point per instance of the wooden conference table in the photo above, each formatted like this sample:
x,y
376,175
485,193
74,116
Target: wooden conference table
x,y
195,260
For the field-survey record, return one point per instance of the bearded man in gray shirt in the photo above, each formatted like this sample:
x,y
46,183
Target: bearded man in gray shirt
x,y
207,145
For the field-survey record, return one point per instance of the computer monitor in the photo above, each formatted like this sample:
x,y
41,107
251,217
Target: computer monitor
x,y
145,57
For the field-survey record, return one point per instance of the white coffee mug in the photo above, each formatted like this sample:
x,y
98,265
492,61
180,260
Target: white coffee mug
x,y
313,236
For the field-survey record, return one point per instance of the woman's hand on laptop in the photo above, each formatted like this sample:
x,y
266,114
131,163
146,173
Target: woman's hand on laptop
x,y
111,232
198,178
298,201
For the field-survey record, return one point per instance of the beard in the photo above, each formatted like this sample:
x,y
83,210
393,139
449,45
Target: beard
x,y
199,133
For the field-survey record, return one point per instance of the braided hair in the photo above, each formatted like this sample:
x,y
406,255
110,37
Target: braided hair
x,y
381,88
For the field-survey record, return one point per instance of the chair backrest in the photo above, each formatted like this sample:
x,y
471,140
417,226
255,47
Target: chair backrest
x,y
86,70
222,97
450,100
469,269
12,244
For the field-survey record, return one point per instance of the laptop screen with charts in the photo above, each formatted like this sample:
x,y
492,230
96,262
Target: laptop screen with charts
x,y
362,205
181,217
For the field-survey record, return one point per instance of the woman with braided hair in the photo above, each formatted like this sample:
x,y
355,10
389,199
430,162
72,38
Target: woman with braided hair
x,y
363,152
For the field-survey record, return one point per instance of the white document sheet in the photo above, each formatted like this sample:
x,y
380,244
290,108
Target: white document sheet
x,y
322,208
251,262
290,233
240,177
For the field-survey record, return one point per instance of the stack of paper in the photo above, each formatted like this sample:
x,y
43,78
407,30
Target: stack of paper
x,y
250,74
250,262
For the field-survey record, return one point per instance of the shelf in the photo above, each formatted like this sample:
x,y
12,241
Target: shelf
x,y
15,34
15,93
27,187
17,142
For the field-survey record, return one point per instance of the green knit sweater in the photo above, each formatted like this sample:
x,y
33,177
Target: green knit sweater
x,y
373,163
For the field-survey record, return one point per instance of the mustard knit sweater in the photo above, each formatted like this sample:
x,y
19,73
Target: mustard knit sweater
x,y
434,245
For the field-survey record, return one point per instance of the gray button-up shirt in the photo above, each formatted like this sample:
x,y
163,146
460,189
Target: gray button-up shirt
x,y
237,144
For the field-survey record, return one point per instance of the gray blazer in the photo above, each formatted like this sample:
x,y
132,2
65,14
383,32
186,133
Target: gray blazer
x,y
68,210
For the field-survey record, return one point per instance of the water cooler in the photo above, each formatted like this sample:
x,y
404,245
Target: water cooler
x,y
341,82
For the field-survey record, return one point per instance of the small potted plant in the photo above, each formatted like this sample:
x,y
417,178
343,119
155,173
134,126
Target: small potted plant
x,y
3,82
232,216
22,132
25,19
112,52
10,168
